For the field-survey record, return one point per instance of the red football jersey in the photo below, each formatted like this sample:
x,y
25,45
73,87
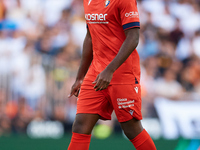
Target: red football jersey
x,y
106,21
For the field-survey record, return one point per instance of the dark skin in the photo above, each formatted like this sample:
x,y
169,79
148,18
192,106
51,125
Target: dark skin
x,y
84,123
103,79
87,56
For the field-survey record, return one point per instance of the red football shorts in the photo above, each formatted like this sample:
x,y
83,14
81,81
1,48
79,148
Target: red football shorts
x,y
124,99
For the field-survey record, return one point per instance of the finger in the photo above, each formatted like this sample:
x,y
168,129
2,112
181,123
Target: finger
x,y
77,93
71,93
104,86
95,81
73,90
100,87
97,84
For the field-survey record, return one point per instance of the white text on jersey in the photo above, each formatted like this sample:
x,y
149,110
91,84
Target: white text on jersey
x,y
95,17
132,14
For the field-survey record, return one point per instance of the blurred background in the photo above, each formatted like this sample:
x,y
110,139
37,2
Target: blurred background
x,y
40,49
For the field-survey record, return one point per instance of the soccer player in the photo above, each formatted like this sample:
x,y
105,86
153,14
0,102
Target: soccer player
x,y
109,74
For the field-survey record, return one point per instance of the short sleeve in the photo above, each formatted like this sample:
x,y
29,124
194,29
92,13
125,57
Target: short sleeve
x,y
129,14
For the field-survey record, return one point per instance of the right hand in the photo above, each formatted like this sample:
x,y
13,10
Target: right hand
x,y
75,88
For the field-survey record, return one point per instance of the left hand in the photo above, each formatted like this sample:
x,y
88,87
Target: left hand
x,y
103,80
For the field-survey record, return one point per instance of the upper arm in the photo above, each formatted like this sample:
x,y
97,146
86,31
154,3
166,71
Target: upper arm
x,y
133,32
88,35
132,35
129,14
87,45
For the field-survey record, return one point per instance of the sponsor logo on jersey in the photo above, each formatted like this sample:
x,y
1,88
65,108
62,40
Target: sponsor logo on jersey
x,y
121,99
125,103
132,14
131,112
136,89
96,18
107,2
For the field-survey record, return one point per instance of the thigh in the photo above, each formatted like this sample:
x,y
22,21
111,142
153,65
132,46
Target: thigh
x,y
126,101
94,102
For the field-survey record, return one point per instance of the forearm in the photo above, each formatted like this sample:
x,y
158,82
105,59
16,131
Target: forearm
x,y
86,59
129,45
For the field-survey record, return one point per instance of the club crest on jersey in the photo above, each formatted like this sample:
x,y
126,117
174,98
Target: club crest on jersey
x,y
107,2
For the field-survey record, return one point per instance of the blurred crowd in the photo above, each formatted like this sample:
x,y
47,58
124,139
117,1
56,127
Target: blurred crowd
x,y
40,50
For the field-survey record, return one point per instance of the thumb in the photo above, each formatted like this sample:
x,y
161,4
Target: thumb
x,y
95,81
71,93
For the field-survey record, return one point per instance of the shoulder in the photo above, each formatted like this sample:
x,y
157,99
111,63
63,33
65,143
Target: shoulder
x,y
85,2
127,3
